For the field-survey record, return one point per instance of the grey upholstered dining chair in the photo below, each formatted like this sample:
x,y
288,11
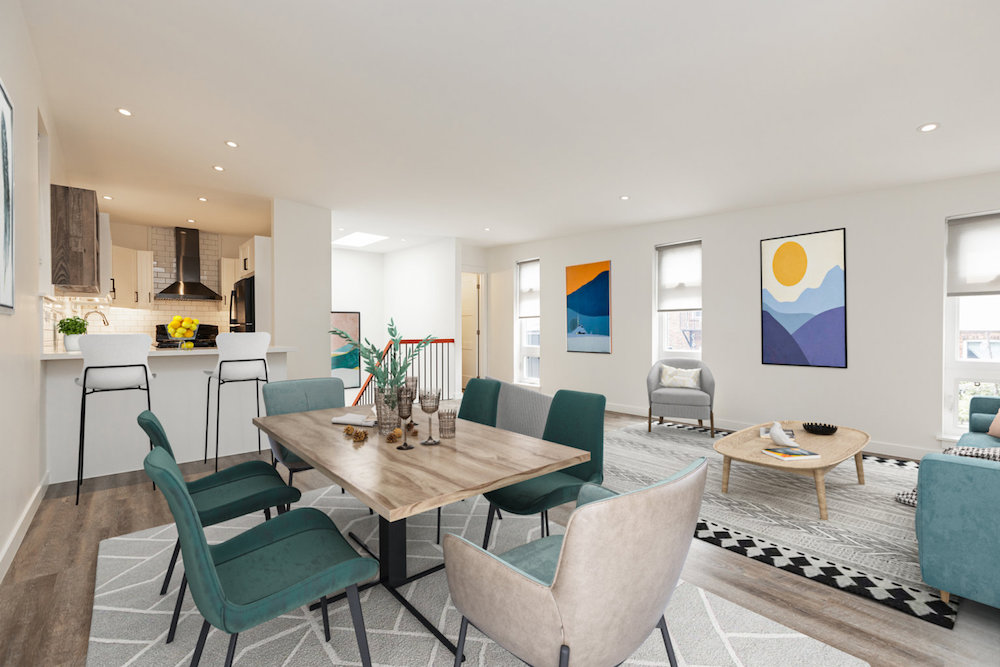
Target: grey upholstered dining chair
x,y
595,593
681,402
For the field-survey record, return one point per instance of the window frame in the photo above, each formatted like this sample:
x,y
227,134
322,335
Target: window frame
x,y
660,330
523,351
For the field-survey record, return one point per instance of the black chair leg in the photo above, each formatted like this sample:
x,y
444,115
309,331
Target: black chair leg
x,y
170,568
439,527
231,653
666,641
564,656
326,617
499,516
267,514
460,649
218,401
79,460
359,624
281,509
290,474
489,525
200,646
256,386
208,403
177,609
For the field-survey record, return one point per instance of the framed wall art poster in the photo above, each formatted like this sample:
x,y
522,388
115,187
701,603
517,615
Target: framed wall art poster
x,y
345,361
7,203
588,308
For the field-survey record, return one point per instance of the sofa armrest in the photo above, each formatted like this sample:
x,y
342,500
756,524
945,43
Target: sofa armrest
x,y
957,528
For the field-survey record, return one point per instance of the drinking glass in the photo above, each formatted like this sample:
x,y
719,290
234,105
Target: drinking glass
x,y
429,402
446,423
405,406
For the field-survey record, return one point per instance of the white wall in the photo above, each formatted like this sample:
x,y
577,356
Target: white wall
x,y
301,237
23,473
895,291
358,285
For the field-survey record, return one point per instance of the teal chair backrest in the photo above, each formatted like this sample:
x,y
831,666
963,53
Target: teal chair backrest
x,y
198,564
576,419
479,401
154,430
281,398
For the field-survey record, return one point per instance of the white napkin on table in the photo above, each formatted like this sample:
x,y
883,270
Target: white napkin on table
x,y
353,420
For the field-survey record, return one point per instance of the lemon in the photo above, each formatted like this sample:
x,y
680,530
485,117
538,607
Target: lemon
x,y
195,320
188,334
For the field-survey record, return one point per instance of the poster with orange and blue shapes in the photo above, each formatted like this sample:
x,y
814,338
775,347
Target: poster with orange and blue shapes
x,y
804,300
588,307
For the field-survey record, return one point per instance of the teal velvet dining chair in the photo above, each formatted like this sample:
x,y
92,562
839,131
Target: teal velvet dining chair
x,y
269,570
236,491
287,396
595,593
479,401
575,419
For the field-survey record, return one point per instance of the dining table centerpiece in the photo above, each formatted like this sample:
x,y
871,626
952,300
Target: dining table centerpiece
x,y
387,367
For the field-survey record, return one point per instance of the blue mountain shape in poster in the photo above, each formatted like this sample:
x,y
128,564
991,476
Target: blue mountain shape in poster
x,y
592,299
814,300
779,347
790,321
823,339
600,324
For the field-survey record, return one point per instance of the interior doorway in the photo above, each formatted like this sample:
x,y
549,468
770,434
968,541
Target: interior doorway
x,y
472,326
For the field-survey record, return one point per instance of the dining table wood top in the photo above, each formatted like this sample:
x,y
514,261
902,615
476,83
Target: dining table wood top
x,y
401,483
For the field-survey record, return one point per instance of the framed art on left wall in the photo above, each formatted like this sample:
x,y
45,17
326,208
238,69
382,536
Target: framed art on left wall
x,y
345,361
6,202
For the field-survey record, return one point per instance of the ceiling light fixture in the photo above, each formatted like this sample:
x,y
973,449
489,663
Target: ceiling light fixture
x,y
218,168
202,199
928,127
108,197
359,239
190,221
486,229
125,112
624,197
340,229
232,144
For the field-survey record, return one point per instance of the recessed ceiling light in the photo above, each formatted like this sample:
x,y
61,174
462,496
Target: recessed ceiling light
x,y
202,199
108,197
486,229
928,127
403,240
218,168
624,197
340,229
359,239
232,144
191,221
124,112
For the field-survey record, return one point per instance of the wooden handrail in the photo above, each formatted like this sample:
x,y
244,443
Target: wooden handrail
x,y
385,351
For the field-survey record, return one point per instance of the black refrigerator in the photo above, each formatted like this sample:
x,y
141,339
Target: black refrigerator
x,y
241,310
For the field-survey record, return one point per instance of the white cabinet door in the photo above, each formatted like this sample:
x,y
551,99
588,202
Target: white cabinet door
x,y
124,293
144,277
227,279
246,267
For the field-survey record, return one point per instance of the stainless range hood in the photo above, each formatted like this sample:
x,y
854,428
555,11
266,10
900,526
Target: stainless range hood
x,y
188,285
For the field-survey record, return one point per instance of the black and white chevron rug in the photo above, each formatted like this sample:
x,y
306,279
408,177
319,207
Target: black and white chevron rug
x,y
868,546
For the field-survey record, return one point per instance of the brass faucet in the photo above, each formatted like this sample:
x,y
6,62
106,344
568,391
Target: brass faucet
x,y
91,312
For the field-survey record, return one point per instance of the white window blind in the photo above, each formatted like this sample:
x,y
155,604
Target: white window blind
x,y
529,288
679,276
973,244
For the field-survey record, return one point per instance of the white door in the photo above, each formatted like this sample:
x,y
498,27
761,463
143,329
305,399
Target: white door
x,y
471,314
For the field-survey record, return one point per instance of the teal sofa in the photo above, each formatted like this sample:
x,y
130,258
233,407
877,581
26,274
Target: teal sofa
x,y
957,535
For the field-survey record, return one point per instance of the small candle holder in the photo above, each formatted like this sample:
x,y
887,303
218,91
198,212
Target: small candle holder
x,y
446,423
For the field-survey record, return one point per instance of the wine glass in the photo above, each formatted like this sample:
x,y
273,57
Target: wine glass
x,y
411,388
429,402
405,405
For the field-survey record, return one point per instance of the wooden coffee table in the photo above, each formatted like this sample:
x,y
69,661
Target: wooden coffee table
x,y
747,446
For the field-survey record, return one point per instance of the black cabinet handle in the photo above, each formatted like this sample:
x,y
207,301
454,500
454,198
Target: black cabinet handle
x,y
245,260
137,297
114,292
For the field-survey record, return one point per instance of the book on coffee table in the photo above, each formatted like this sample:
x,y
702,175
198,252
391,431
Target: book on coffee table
x,y
790,453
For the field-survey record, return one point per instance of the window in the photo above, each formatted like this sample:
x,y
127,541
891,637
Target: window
x,y
972,317
678,300
528,324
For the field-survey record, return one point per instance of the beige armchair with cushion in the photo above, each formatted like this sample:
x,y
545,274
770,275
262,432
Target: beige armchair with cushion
x,y
686,403
592,595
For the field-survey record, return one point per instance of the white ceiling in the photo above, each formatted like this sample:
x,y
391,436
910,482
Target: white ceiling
x,y
429,118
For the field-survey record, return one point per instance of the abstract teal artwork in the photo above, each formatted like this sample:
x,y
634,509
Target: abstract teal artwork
x,y
345,361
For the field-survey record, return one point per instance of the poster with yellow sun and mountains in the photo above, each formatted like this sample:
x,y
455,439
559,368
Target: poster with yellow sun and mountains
x,y
804,300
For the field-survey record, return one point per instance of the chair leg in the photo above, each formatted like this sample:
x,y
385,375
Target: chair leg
x,y
170,568
149,406
666,641
711,416
499,516
218,401
79,460
326,617
359,624
267,514
541,516
256,387
460,648
177,609
208,402
291,473
200,646
564,656
489,525
649,427
946,597
548,528
281,509
439,527
231,653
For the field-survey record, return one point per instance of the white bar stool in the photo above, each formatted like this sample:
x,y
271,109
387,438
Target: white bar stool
x,y
111,362
242,358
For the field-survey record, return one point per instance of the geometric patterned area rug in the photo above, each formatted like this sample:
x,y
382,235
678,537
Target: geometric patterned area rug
x,y
130,618
867,547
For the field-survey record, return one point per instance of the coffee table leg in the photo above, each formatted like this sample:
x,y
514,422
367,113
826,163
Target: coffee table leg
x,y
726,461
860,465
820,492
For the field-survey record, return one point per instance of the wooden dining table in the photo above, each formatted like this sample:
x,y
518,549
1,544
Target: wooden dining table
x,y
397,484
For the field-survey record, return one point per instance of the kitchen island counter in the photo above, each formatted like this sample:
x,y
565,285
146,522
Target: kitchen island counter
x,y
161,352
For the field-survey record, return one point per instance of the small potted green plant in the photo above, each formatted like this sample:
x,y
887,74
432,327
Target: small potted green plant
x,y
72,328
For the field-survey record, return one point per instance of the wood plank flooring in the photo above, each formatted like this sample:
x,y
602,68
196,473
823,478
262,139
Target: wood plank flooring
x,y
46,597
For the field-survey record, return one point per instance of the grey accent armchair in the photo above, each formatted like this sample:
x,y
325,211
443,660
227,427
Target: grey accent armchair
x,y
595,593
677,402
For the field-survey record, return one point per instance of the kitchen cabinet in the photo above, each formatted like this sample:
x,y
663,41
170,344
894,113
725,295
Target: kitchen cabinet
x,y
132,278
247,256
228,270
75,241
144,278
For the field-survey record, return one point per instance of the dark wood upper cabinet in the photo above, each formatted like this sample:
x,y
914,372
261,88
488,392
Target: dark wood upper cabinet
x,y
75,247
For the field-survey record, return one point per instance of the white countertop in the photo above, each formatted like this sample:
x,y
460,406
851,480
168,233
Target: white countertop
x,y
163,352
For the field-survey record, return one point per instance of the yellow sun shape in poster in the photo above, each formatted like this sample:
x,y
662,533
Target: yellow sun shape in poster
x,y
789,264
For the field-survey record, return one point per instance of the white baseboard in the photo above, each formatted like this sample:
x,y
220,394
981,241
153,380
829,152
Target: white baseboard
x,y
13,542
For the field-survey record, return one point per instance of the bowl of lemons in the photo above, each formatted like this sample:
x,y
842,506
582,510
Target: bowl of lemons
x,y
184,330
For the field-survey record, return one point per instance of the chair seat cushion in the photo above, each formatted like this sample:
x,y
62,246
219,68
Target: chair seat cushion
x,y
537,559
285,563
537,494
978,440
242,489
675,396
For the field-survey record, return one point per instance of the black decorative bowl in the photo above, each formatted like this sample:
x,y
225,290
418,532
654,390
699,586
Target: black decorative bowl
x,y
820,429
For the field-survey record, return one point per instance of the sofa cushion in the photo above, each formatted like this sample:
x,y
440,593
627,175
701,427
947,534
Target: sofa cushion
x,y
674,396
994,429
980,422
977,440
